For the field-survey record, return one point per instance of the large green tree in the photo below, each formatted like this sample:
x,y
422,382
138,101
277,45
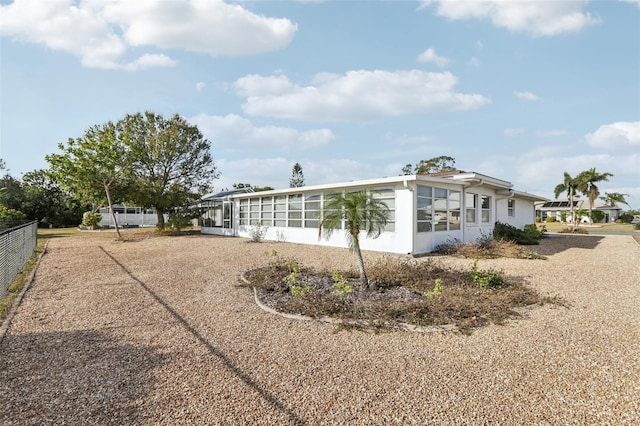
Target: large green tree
x,y
93,166
170,160
11,192
587,185
47,202
443,163
570,185
361,212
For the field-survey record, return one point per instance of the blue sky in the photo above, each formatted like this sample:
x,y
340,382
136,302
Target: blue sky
x,y
518,90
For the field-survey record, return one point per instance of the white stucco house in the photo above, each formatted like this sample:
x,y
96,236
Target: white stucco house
x,y
425,211
560,210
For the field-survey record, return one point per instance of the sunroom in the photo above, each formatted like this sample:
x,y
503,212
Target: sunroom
x,y
424,211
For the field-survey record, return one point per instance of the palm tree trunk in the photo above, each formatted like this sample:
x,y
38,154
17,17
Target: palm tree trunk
x,y
363,274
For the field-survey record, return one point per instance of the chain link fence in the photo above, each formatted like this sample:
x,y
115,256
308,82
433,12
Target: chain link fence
x,y
17,244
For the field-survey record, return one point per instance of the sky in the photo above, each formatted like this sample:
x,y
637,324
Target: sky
x,y
518,90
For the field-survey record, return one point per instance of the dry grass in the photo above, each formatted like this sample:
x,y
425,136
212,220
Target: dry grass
x,y
419,292
490,249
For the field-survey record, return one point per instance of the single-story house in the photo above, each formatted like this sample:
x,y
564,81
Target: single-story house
x,y
425,211
560,210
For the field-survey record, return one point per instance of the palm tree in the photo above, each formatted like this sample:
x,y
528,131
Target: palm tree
x,y
612,198
587,185
361,211
570,185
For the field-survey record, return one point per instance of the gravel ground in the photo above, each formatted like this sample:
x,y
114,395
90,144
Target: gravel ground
x,y
157,331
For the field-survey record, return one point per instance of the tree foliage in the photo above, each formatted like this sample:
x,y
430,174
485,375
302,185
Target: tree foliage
x,y
45,201
297,177
587,185
442,163
613,198
169,159
361,212
93,166
570,185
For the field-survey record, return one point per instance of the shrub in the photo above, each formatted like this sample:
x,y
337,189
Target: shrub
x,y
576,230
91,219
178,221
637,226
538,219
597,215
625,217
529,236
550,219
11,214
485,278
258,232
619,221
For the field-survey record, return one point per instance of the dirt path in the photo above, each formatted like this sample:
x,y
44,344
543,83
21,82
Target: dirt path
x,y
156,331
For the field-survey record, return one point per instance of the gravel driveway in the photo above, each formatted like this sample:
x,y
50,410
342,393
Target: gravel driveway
x,y
156,331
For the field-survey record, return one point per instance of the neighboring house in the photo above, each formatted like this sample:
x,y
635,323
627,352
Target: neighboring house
x,y
560,210
425,211
128,216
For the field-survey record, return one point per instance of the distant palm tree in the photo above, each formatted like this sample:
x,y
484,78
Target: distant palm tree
x,y
587,185
570,185
361,211
612,198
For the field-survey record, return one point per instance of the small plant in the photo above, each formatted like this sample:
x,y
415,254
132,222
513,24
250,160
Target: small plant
x,y
258,232
292,279
484,278
538,219
437,289
91,219
550,219
485,239
299,291
341,286
637,226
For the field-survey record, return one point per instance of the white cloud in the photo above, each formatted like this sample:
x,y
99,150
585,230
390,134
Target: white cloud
x,y
430,56
526,96
149,61
637,2
513,132
200,86
235,133
473,62
101,33
615,136
537,17
479,45
551,133
356,95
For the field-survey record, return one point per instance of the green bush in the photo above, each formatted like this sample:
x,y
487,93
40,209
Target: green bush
x,y
619,221
529,236
179,221
637,226
11,214
625,217
550,219
485,278
538,219
91,219
597,215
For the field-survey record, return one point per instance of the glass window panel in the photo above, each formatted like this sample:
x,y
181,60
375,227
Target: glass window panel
x,y
485,216
280,215
311,223
424,226
485,202
282,223
424,203
295,223
424,191
295,215
440,193
424,215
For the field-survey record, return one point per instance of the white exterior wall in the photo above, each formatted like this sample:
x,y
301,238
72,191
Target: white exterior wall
x,y
131,219
405,239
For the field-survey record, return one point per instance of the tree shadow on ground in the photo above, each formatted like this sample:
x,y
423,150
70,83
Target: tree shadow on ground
x,y
72,377
557,243
236,370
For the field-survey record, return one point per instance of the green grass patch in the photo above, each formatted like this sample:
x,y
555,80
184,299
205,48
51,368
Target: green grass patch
x,y
7,301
